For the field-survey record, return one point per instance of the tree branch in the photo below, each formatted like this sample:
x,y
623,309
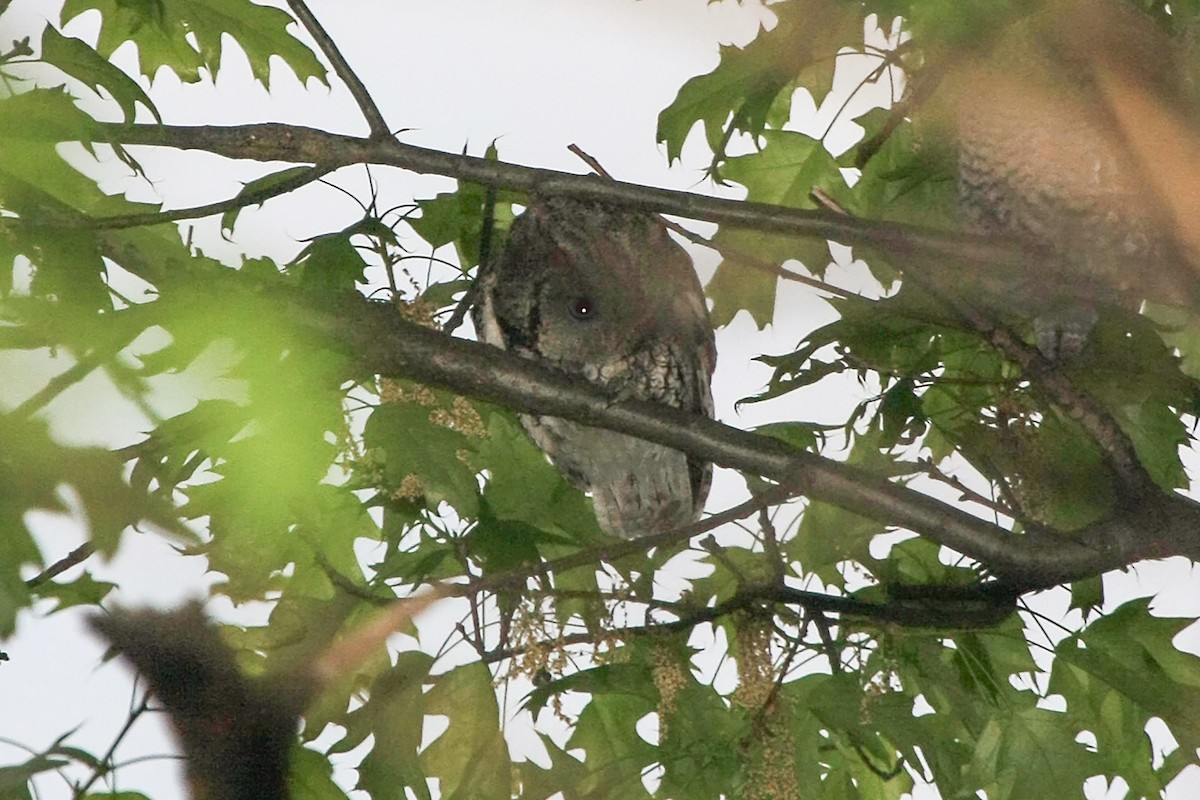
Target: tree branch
x,y
973,608
297,144
382,342
71,559
594,555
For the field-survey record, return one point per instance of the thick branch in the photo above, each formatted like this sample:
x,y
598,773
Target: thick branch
x,y
384,343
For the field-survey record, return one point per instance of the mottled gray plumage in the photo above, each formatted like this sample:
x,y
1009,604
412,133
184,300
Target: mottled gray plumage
x,y
605,294
1042,161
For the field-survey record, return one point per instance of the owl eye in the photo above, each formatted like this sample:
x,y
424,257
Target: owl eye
x,y
582,307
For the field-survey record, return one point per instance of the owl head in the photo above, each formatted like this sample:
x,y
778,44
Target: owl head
x,y
580,282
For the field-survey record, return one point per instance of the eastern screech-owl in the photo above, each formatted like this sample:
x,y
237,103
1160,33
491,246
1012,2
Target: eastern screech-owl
x,y
605,294
1041,160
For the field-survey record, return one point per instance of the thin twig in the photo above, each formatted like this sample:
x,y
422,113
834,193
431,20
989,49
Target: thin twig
x,y
71,559
965,492
771,544
104,765
469,298
821,623
884,774
923,85
242,200
75,373
613,552
378,126
590,160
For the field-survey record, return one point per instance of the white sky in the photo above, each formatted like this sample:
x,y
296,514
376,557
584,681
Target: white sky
x,y
535,74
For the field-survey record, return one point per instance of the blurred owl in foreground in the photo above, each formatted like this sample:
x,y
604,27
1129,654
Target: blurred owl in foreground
x,y
1044,161
605,294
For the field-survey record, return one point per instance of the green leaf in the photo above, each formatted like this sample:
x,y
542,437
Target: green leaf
x,y
395,717
917,562
1128,367
32,469
911,178
503,545
330,264
524,487
800,435
81,62
457,217
1158,433
734,288
1029,752
71,268
186,36
631,678
836,726
413,444
615,754
273,503
748,81
829,535
700,749
17,549
310,776
565,772
44,115
470,758
901,417
14,780
735,567
1087,595
785,172
1124,669
432,558
443,295
177,448
34,179
84,590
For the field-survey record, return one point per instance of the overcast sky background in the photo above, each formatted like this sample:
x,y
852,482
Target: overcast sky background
x,y
535,75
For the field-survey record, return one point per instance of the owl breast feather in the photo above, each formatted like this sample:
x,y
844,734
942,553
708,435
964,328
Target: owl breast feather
x,y
638,487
